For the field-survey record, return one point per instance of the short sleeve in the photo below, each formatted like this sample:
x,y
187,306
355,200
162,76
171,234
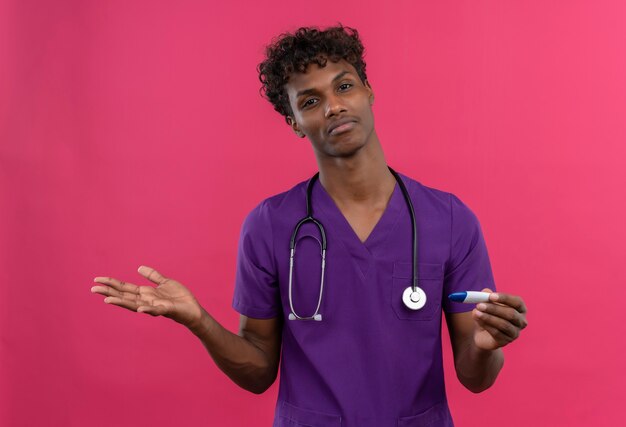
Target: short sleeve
x,y
468,268
256,284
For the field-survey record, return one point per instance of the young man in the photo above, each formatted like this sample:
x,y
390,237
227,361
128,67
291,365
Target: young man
x,y
360,338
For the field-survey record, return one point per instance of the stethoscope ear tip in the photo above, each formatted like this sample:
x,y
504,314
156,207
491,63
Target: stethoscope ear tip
x,y
318,317
292,316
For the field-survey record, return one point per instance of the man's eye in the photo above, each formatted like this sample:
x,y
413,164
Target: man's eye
x,y
345,86
309,102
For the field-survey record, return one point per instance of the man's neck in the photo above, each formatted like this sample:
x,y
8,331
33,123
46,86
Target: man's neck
x,y
363,178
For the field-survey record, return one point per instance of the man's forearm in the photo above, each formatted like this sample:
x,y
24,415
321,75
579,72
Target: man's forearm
x,y
477,369
244,363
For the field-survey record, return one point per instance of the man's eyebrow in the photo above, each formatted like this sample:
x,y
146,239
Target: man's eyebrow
x,y
309,91
340,75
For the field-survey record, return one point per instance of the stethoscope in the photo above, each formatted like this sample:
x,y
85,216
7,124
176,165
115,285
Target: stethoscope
x,y
413,297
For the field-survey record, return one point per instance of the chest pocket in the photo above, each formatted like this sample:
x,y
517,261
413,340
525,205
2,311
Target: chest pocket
x,y
430,279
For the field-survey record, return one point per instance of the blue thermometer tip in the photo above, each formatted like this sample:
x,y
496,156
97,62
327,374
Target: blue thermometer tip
x,y
469,297
458,296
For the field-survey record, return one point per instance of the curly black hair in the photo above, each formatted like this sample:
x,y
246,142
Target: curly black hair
x,y
290,53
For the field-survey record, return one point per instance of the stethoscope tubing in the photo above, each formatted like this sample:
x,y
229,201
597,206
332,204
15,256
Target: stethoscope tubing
x,y
409,203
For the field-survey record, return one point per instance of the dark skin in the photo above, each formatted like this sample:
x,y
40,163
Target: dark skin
x,y
331,107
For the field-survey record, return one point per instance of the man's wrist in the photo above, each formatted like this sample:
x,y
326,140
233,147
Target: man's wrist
x,y
201,324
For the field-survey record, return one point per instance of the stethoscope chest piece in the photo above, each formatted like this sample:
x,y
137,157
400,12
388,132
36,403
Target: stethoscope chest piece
x,y
414,299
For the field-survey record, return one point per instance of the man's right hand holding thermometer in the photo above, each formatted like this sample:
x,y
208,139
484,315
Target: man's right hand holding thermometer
x,y
499,317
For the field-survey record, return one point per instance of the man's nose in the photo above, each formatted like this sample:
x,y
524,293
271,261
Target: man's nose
x,y
334,106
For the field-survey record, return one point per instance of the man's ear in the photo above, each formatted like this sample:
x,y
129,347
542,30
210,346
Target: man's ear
x,y
295,126
371,91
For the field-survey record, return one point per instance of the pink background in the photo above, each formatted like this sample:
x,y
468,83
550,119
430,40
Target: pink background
x,y
132,132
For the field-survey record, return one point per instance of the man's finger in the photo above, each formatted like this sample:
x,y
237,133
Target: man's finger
x,y
510,300
505,312
151,274
120,302
106,291
153,310
504,327
117,284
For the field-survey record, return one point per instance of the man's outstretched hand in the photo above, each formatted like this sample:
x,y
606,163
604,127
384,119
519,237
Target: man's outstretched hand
x,y
169,298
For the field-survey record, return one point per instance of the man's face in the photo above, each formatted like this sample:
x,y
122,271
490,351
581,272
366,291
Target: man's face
x,y
332,107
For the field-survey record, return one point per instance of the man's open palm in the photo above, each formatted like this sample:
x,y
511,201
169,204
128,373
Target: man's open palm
x,y
169,298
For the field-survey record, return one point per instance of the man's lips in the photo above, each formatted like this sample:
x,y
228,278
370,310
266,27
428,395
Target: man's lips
x,y
341,126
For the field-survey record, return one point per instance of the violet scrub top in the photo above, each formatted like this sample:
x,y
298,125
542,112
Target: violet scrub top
x,y
370,361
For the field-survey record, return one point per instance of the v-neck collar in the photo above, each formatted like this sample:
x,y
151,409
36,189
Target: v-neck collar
x,y
340,230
